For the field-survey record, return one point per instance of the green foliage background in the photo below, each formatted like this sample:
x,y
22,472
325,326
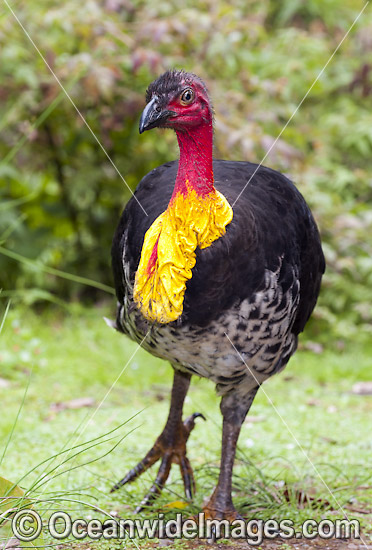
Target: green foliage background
x,y
60,195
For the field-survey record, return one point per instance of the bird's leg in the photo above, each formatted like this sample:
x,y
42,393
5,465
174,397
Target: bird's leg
x,y
170,446
234,411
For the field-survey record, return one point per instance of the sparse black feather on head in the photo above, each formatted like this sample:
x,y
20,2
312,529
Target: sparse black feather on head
x,y
171,83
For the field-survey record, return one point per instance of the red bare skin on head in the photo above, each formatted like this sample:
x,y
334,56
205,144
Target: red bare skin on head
x,y
194,114
153,258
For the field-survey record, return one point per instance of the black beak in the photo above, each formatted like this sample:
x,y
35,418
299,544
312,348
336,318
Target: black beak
x,y
153,116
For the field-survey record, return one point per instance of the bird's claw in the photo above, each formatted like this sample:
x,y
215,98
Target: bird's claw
x,y
158,484
189,423
170,448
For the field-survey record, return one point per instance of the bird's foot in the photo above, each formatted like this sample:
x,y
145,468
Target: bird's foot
x,y
219,507
170,447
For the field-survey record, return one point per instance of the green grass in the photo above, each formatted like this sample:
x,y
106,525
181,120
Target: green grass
x,y
64,357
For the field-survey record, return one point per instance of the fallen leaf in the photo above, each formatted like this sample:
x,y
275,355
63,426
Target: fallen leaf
x,y
11,543
10,494
4,383
254,419
313,403
328,440
362,388
315,347
78,403
178,504
166,542
359,510
304,499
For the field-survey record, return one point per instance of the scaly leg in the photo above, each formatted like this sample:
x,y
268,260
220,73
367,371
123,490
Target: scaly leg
x,y
170,446
234,411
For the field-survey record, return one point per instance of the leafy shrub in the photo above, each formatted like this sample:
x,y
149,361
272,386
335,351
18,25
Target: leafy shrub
x,y
61,196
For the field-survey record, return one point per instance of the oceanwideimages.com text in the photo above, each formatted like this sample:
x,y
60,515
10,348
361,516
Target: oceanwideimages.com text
x,y
27,525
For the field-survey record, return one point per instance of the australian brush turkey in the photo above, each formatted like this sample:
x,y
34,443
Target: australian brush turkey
x,y
219,277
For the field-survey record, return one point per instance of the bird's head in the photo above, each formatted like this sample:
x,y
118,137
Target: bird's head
x,y
177,100
197,214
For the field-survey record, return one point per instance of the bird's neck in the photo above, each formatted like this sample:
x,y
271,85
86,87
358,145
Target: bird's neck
x,y
197,215
195,168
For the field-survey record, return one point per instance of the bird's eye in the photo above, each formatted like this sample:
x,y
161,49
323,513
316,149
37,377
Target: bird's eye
x,y
187,96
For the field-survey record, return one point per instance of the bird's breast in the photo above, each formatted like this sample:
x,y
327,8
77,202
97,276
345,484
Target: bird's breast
x,y
243,346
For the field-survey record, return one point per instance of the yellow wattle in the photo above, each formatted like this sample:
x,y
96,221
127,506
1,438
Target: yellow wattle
x,y
189,221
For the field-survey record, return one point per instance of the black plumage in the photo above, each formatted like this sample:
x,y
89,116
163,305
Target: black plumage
x,y
251,292
271,220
